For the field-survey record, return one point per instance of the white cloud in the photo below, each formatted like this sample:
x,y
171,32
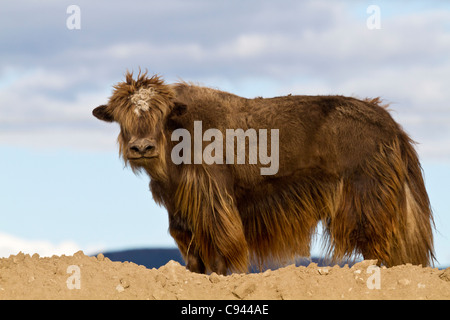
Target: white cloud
x,y
38,109
318,47
13,245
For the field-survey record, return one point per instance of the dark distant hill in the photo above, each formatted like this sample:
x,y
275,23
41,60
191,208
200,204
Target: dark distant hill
x,y
150,258
157,257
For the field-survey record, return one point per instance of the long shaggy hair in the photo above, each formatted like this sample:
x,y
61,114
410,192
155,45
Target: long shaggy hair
x,y
343,162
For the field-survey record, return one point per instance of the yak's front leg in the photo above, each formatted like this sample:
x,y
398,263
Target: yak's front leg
x,y
219,230
207,209
184,239
194,263
219,265
189,249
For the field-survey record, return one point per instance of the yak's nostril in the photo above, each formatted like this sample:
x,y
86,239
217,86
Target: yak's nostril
x,y
141,146
149,147
135,149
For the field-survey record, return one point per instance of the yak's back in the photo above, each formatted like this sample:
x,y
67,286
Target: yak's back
x,y
218,106
215,108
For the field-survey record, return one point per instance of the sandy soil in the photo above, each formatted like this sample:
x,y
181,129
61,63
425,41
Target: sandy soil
x,y
83,277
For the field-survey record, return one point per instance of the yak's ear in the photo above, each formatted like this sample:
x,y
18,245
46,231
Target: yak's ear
x,y
179,108
175,118
102,113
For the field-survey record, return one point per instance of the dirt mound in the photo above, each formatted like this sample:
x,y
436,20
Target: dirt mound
x,y
83,277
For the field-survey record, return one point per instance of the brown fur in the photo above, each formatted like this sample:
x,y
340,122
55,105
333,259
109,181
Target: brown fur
x,y
343,161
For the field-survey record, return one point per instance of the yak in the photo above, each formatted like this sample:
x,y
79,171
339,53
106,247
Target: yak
x,y
343,162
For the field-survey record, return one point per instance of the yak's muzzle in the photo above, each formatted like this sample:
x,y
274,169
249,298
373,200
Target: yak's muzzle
x,y
142,148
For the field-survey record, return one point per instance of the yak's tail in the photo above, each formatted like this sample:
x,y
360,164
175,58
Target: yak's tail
x,y
416,246
383,211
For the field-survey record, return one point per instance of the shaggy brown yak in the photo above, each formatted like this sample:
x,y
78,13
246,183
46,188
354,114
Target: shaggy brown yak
x,y
342,161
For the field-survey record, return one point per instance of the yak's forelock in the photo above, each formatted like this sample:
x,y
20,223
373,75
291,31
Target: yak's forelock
x,y
141,96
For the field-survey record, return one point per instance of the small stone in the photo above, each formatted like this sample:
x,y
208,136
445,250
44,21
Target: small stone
x,y
324,271
19,257
445,275
161,279
120,288
243,290
364,264
404,282
100,257
214,278
125,284
267,273
79,254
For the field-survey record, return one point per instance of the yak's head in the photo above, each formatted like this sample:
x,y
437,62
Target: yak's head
x,y
140,107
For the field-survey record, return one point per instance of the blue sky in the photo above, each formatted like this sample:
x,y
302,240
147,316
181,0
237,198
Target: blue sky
x,y
62,184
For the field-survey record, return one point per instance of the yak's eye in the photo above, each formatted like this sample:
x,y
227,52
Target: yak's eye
x,y
124,133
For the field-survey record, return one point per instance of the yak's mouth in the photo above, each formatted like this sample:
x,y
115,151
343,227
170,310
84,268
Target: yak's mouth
x,y
141,158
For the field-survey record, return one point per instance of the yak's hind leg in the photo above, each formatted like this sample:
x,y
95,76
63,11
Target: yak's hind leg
x,y
384,212
364,222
